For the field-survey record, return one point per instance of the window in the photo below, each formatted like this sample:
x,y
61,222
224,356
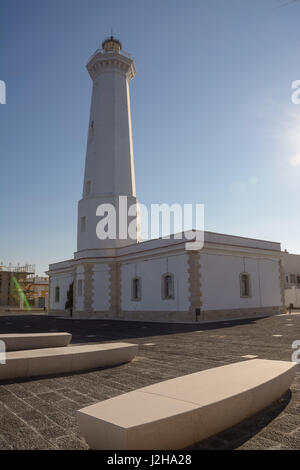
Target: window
x,y
293,279
56,294
87,188
79,287
298,279
287,278
136,288
83,224
245,285
168,286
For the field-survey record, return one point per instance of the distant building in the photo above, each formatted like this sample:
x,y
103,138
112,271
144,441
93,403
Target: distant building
x,y
11,280
39,288
292,279
292,270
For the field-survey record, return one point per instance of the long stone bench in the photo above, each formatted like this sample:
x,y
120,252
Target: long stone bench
x,y
16,342
36,362
183,411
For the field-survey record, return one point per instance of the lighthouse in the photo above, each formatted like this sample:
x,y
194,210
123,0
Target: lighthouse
x,y
109,180
120,277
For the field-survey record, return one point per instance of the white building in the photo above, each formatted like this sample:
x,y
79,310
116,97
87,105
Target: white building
x,y
157,280
292,279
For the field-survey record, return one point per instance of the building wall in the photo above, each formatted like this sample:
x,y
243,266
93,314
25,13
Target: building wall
x,y
63,281
270,283
292,296
8,294
107,292
220,278
40,288
101,287
79,299
234,240
150,272
5,288
292,270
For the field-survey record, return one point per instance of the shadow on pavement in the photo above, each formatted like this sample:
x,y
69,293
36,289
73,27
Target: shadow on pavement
x,y
90,331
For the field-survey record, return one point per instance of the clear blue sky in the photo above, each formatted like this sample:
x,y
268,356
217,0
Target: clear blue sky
x,y
213,121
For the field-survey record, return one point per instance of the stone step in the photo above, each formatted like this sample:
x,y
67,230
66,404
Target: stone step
x,y
180,412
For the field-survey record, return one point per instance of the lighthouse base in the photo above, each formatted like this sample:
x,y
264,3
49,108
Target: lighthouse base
x,y
162,281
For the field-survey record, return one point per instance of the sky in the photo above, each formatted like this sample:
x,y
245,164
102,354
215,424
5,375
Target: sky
x,y
212,114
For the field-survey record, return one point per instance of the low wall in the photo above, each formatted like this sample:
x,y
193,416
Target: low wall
x,y
218,315
182,317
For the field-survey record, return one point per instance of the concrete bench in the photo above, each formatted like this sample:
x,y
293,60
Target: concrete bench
x,y
66,359
183,411
16,342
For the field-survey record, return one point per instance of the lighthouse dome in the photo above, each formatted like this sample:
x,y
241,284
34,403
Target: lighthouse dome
x,y
111,44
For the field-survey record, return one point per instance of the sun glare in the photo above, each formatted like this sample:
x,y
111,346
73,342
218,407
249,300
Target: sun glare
x,y
295,160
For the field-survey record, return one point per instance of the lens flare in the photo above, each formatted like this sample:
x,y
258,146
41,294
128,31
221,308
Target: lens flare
x,y
21,293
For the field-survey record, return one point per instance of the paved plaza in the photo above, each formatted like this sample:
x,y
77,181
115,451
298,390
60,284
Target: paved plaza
x,y
41,413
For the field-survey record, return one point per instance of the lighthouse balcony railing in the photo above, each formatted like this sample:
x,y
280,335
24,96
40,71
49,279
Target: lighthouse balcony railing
x,y
102,51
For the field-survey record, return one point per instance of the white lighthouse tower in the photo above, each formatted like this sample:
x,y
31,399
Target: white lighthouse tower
x,y
109,165
115,277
